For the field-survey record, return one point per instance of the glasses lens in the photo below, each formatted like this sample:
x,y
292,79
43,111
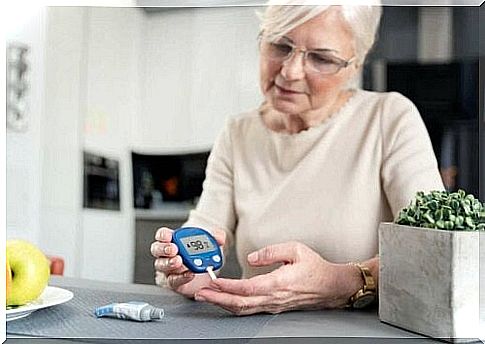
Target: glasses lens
x,y
278,51
321,63
315,62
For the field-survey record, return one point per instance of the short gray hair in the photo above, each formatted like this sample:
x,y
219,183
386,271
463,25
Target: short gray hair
x,y
282,16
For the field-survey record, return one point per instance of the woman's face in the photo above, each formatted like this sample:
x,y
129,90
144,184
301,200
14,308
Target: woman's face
x,y
288,85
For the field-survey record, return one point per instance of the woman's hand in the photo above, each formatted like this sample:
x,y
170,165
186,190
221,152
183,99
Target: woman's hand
x,y
168,263
305,281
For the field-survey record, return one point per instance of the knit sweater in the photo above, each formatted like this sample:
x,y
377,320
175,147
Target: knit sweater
x,y
328,187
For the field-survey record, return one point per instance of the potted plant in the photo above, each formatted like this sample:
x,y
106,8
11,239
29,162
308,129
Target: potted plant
x,y
429,278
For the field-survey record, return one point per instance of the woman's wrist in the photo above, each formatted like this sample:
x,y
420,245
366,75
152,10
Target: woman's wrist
x,y
348,280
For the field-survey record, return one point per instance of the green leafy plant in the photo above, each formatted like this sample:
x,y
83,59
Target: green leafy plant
x,y
444,210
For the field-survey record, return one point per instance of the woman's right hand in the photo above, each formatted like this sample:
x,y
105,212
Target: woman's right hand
x,y
169,266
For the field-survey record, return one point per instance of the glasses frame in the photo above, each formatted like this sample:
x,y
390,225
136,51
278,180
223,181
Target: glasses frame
x,y
340,63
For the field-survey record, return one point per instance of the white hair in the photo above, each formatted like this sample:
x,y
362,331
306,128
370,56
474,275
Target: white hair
x,y
282,16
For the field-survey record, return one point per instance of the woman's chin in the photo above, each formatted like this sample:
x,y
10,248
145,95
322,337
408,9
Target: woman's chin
x,y
286,107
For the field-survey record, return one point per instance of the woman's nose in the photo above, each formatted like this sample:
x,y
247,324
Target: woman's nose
x,y
292,68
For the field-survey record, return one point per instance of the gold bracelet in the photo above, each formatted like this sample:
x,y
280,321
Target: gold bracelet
x,y
367,293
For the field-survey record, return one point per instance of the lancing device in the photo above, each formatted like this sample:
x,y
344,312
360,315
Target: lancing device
x,y
138,311
199,250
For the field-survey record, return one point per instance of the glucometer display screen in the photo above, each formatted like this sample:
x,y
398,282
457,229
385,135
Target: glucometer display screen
x,y
197,244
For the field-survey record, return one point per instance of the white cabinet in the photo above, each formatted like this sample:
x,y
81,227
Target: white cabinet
x,y
111,107
112,80
198,66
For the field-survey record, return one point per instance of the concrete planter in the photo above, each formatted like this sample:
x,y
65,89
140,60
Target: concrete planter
x,y
429,281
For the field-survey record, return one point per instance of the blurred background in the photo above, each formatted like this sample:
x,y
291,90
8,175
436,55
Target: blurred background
x,y
112,112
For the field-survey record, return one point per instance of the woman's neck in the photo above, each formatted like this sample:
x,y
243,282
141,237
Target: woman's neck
x,y
293,124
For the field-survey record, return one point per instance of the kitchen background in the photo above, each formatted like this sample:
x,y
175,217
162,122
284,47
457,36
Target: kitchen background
x,y
112,112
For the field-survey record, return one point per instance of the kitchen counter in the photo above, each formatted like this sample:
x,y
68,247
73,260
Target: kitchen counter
x,y
215,325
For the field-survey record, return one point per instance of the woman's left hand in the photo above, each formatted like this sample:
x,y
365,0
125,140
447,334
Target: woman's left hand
x,y
305,281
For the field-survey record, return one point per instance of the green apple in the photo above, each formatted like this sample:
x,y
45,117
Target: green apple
x,y
30,272
8,279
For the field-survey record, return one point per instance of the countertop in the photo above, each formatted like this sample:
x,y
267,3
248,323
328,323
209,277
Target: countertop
x,y
330,326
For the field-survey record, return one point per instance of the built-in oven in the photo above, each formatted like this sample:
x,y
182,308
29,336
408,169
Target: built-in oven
x,y
101,182
172,178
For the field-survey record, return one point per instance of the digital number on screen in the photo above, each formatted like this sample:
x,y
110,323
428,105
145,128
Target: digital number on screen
x,y
197,244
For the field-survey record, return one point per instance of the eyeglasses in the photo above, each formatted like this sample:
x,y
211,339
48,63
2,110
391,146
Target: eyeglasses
x,y
315,61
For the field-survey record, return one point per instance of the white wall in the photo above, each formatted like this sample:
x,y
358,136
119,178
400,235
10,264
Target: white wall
x,y
61,198
23,166
199,65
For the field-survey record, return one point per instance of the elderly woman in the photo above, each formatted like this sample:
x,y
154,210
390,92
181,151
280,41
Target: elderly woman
x,y
302,183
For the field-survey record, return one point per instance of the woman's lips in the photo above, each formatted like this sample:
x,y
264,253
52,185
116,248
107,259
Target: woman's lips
x,y
285,91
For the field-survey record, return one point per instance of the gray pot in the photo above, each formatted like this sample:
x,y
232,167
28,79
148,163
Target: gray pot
x,y
429,281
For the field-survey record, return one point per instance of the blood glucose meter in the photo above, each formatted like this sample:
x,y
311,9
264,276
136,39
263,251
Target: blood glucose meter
x,y
198,249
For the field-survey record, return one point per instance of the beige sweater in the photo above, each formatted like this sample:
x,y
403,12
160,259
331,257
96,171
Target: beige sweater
x,y
328,187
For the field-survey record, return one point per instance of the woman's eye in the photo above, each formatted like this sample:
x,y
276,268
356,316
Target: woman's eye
x,y
282,48
323,60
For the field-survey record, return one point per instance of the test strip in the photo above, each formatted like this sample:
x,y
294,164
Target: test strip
x,y
211,273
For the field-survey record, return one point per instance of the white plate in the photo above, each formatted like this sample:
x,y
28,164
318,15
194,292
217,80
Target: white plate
x,y
51,296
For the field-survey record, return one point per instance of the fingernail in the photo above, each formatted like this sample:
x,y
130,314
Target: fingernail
x,y
253,257
171,262
161,234
167,249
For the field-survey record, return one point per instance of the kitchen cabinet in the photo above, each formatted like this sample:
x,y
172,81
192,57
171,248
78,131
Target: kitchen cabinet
x,y
199,66
145,234
147,223
110,105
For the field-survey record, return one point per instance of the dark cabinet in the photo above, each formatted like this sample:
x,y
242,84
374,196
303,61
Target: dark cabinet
x,y
145,234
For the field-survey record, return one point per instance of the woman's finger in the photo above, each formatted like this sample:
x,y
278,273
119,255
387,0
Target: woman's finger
x,y
170,265
272,254
164,234
160,278
239,305
220,236
175,281
160,249
258,285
